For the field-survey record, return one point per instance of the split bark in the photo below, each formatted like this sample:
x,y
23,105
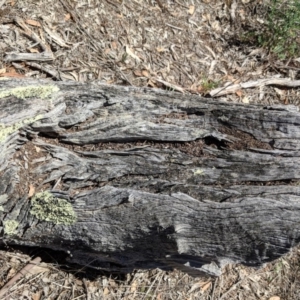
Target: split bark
x,y
156,179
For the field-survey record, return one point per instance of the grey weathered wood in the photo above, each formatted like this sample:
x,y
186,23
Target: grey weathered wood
x,y
148,205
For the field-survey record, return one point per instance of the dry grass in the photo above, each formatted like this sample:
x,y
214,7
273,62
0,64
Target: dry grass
x,y
191,46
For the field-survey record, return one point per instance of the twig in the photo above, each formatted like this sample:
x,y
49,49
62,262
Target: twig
x,y
170,85
45,69
162,7
68,7
174,27
233,287
19,275
286,82
31,34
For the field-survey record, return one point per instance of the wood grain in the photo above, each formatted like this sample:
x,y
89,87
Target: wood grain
x,y
156,179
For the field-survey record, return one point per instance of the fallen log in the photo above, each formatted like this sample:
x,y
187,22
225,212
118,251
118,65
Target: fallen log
x,y
124,178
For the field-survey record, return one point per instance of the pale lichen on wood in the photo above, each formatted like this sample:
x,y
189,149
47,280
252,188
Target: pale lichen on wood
x,y
46,207
23,92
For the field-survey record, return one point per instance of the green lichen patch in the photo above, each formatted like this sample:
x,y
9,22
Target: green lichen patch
x,y
198,172
46,207
10,227
5,131
23,92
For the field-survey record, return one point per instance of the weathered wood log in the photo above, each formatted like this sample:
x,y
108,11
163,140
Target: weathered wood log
x,y
126,178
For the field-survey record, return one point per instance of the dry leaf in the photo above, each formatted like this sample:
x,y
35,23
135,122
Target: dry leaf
x,y
67,17
110,81
205,287
229,77
200,285
145,73
239,93
37,149
138,73
200,89
159,296
130,52
11,273
75,75
191,9
196,286
79,282
151,83
56,37
46,280
245,100
206,17
31,190
160,49
193,87
216,26
106,291
274,298
36,296
114,45
33,50
33,23
133,287
3,70
25,294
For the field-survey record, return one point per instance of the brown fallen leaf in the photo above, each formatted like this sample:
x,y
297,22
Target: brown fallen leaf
x,y
34,50
132,54
161,49
33,23
37,149
31,191
191,9
36,296
239,93
138,73
145,73
151,83
205,287
67,17
114,45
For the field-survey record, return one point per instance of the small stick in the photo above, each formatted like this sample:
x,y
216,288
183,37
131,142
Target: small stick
x,y
19,275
